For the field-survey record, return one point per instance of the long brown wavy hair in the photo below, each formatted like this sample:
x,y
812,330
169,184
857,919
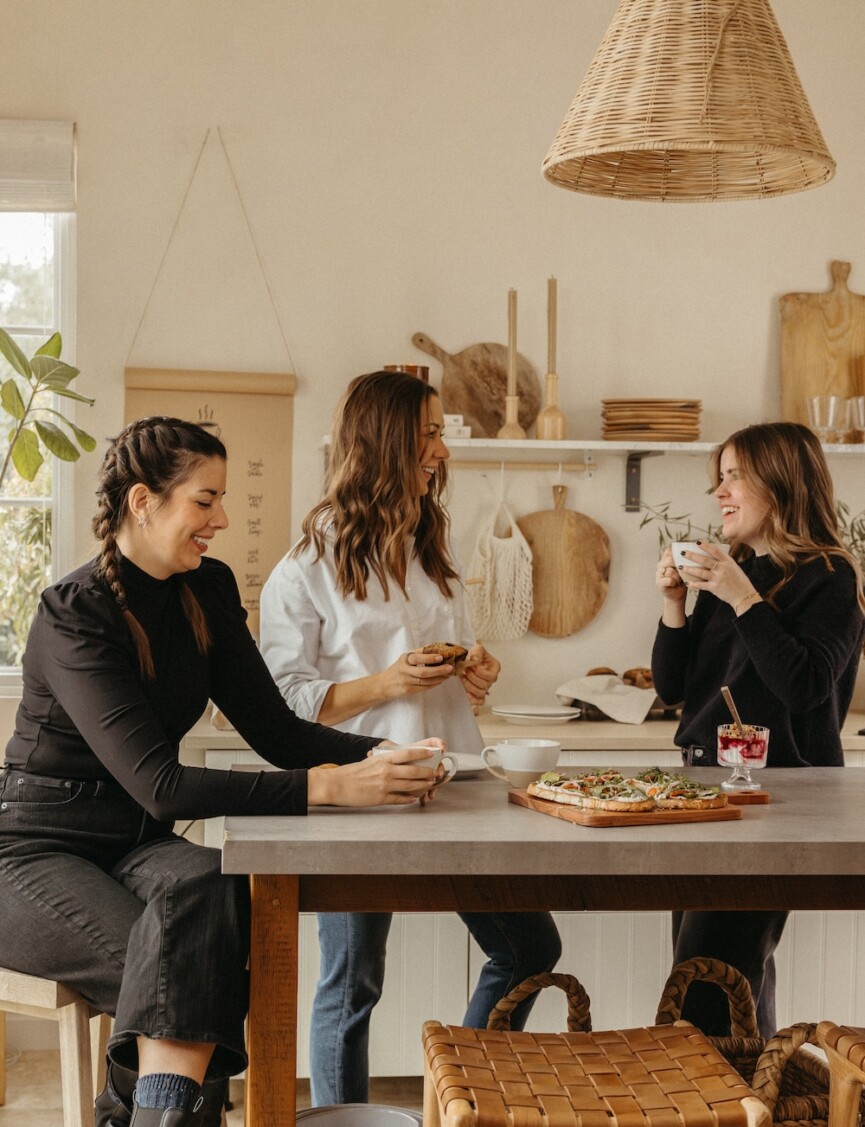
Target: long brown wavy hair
x,y
784,465
371,504
161,453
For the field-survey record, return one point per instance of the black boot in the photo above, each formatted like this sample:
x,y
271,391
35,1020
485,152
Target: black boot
x,y
213,1093
164,1116
113,1107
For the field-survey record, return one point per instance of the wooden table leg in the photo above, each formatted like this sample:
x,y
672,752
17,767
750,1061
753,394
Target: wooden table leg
x,y
271,1080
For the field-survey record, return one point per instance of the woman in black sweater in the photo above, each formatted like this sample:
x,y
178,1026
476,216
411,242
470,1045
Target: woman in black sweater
x,y
780,621
97,890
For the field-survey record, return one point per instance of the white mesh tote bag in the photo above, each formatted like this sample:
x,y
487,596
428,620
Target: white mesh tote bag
x,y
501,604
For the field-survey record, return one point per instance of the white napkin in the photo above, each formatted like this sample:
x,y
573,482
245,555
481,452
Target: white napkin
x,y
625,703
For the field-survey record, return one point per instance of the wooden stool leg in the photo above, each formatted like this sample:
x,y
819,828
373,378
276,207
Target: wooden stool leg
x,y
2,1057
100,1030
430,1099
845,1088
75,1068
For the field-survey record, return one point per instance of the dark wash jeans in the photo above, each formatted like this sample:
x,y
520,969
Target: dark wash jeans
x,y
142,923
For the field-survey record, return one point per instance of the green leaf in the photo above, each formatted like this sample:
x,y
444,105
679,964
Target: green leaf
x,y
52,347
52,373
25,455
57,442
86,441
10,398
65,393
14,355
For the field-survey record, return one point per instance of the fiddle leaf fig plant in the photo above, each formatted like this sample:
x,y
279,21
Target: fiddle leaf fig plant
x,y
26,398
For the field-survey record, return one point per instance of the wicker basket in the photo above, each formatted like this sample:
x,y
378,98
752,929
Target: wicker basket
x,y
791,1082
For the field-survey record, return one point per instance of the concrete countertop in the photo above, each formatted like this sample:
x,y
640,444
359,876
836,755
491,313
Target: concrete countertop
x,y
812,826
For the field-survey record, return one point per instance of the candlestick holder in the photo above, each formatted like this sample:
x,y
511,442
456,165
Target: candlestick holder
x,y
512,428
550,423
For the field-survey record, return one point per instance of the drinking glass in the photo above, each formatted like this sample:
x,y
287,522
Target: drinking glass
x,y
743,750
825,413
856,418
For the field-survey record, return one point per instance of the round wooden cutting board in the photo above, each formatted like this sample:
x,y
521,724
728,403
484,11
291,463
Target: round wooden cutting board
x,y
570,568
474,383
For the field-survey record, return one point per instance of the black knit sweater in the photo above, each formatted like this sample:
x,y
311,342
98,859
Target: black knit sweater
x,y
791,669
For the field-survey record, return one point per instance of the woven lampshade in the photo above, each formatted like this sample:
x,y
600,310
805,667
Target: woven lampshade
x,y
689,100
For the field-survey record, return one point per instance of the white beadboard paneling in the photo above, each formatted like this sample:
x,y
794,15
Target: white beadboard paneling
x,y
426,977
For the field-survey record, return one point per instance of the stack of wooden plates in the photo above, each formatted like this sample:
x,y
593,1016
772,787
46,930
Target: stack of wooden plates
x,y
646,420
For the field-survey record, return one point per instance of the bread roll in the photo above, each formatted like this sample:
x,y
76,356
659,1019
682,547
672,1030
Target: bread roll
x,y
451,653
640,676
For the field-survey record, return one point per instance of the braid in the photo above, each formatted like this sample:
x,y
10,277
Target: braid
x,y
161,453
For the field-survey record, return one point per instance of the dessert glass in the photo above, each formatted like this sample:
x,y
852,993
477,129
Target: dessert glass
x,y
744,751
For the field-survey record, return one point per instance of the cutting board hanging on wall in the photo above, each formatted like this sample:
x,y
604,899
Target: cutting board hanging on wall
x,y
822,345
474,383
570,567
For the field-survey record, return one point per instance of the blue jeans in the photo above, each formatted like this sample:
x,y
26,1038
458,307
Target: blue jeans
x,y
142,923
517,945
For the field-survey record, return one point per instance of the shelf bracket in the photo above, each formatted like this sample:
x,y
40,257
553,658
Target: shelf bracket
x,y
633,472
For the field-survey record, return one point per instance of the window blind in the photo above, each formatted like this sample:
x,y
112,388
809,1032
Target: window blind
x,y
37,165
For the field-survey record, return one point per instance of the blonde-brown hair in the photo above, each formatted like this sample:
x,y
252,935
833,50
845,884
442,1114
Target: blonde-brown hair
x,y
784,465
161,453
371,503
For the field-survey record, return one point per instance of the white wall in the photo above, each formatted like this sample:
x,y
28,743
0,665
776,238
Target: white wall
x,y
388,157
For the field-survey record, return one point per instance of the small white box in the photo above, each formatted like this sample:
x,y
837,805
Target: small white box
x,y
458,432
453,420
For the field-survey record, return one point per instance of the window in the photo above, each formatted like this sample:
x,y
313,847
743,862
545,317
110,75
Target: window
x,y
36,299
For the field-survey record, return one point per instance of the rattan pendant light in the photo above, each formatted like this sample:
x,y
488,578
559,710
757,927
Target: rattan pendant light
x,y
689,100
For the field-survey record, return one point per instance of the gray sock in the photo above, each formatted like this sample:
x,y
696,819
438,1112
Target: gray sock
x,y
167,1089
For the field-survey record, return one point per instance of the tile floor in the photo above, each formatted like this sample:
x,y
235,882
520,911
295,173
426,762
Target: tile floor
x,y
33,1092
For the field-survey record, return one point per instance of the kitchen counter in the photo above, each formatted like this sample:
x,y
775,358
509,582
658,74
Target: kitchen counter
x,y
632,741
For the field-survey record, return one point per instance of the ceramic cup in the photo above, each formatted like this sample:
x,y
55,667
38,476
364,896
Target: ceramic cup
x,y
433,761
680,546
520,762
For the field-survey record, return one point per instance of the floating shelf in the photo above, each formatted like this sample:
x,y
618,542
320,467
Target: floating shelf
x,y
536,453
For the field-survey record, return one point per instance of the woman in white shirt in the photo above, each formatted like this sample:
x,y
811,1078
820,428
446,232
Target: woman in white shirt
x,y
344,618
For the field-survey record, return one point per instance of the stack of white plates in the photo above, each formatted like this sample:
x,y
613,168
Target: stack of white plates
x,y
535,714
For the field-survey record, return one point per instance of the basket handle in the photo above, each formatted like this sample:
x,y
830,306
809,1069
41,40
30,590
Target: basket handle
x,y
769,1070
579,1018
743,1016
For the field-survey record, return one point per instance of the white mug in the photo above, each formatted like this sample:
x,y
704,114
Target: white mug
x,y
680,546
520,762
435,757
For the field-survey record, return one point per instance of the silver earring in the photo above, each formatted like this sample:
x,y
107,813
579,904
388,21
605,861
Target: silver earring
x,y
142,521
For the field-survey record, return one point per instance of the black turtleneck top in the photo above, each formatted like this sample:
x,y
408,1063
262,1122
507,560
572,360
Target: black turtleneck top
x,y
87,712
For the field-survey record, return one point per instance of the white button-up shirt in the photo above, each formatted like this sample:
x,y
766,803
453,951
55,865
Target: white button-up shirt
x,y
313,637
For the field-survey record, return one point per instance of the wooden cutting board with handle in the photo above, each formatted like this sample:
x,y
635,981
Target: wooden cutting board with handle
x,y
822,345
474,383
570,567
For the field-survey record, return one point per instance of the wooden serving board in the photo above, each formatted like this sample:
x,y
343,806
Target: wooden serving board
x,y
570,568
822,345
582,817
474,383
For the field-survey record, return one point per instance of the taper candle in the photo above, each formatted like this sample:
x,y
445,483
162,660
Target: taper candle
x,y
512,342
551,324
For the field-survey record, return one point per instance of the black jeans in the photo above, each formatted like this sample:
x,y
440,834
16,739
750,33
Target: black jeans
x,y
142,923
744,940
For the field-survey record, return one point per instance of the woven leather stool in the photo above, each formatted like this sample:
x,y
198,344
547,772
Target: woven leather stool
x,y
660,1076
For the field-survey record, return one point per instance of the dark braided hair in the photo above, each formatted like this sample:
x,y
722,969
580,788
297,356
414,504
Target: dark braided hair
x,y
161,453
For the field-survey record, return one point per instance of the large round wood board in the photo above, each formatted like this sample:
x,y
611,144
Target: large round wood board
x,y
570,568
474,383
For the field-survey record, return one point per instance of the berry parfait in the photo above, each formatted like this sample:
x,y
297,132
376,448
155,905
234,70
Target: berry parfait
x,y
743,747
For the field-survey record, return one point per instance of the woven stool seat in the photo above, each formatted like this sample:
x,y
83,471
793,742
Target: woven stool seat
x,y
660,1076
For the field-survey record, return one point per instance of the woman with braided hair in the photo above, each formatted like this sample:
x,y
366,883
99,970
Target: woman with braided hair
x,y
97,890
